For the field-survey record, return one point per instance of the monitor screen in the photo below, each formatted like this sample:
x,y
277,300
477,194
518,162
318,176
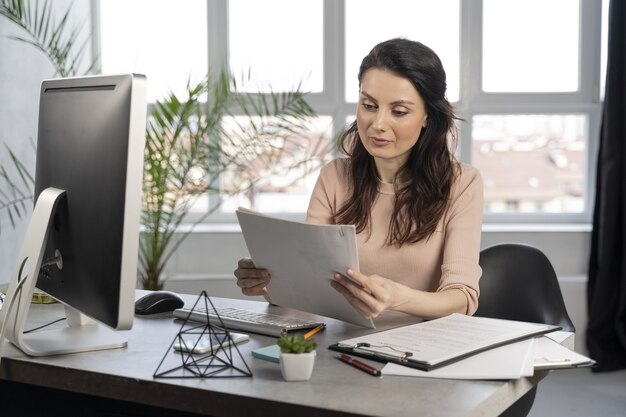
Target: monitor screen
x,y
81,244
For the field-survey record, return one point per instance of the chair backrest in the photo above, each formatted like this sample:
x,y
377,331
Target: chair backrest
x,y
519,283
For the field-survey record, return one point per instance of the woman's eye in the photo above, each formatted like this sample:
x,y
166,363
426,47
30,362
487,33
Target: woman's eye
x,y
369,107
399,112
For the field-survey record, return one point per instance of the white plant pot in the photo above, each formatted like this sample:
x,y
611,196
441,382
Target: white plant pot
x,y
297,366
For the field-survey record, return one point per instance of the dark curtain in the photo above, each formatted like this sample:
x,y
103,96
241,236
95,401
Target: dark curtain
x,y
606,288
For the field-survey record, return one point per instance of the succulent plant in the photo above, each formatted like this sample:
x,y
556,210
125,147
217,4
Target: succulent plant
x,y
296,344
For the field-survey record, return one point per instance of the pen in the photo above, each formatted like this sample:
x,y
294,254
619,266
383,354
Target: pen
x,y
360,365
314,331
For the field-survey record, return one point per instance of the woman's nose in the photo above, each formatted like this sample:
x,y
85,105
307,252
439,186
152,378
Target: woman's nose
x,y
380,121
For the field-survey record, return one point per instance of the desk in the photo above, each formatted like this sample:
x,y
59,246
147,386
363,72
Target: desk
x,y
124,377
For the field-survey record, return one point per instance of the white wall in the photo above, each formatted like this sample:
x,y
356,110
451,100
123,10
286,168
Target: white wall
x,y
22,68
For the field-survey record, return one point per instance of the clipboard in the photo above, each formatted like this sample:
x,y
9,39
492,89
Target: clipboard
x,y
552,355
432,344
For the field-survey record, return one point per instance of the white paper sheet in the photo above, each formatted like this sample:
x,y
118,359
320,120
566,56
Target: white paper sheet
x,y
559,336
302,259
505,362
553,355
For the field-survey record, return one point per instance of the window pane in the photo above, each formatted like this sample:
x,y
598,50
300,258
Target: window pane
x,y
433,23
284,175
159,38
531,163
530,45
604,46
279,42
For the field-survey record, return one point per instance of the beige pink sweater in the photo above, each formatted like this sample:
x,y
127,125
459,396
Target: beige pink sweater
x,y
448,259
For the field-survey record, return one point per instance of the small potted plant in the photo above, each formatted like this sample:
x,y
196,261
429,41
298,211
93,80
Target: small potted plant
x,y
297,356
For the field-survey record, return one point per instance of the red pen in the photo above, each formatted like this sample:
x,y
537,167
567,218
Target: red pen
x,y
360,365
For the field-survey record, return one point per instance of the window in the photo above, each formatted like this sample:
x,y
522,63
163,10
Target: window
x,y
524,52
435,24
284,184
296,52
157,38
531,163
535,108
524,75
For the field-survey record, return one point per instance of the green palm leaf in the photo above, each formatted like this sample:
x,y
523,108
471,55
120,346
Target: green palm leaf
x,y
56,39
59,42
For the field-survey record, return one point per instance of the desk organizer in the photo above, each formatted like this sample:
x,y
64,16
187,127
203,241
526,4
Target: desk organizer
x,y
223,362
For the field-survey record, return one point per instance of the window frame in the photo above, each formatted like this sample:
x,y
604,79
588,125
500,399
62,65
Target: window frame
x,y
472,100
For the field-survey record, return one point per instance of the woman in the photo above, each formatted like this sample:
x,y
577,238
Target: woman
x,y
417,211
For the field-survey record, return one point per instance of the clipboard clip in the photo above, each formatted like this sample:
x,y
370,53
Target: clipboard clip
x,y
368,348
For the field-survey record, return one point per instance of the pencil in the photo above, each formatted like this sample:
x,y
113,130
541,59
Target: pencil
x,y
314,331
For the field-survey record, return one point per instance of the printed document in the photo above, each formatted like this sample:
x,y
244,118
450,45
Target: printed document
x,y
439,342
302,259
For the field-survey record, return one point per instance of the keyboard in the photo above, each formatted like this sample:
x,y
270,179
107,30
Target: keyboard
x,y
248,321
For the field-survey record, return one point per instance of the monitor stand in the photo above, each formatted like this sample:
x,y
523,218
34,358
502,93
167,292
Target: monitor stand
x,y
82,334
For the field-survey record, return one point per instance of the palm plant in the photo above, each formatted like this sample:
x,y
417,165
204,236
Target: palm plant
x,y
189,148
17,196
56,39
60,43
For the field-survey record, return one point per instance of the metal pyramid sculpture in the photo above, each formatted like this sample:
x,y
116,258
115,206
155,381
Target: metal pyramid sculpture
x,y
222,360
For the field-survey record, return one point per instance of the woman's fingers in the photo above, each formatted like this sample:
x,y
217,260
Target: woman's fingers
x,y
250,279
255,290
358,297
245,263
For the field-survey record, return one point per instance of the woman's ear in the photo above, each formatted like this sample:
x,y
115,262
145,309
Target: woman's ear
x,y
425,122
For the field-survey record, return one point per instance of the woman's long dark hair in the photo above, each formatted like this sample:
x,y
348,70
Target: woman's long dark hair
x,y
427,177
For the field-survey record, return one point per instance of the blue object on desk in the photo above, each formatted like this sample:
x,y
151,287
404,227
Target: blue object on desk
x,y
269,353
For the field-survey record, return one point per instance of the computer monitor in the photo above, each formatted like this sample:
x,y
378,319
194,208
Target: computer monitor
x,y
81,245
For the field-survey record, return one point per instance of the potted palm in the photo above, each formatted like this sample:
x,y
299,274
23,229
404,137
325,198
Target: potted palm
x,y
297,357
190,149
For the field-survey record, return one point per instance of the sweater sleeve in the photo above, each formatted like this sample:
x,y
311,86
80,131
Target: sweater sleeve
x,y
323,203
463,228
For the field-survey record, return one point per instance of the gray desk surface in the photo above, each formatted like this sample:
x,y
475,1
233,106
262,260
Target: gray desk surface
x,y
334,389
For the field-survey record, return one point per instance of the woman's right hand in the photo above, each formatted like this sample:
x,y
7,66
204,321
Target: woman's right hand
x,y
250,279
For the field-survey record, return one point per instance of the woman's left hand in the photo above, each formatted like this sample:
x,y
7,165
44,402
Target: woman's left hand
x,y
369,295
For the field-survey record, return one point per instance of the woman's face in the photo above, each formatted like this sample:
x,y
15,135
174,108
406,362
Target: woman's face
x,y
390,117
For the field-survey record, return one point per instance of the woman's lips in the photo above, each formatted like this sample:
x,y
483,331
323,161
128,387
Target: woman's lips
x,y
379,141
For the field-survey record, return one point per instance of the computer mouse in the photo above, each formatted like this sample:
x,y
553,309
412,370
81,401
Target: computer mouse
x,y
158,302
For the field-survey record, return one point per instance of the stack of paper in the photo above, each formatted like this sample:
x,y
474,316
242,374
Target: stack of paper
x,y
512,361
464,347
552,355
505,362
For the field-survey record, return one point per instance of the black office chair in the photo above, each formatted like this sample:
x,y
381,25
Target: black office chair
x,y
519,283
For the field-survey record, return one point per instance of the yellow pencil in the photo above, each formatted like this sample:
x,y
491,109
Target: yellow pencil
x,y
314,331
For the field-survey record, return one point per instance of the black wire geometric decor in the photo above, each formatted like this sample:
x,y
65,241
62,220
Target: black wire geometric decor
x,y
221,360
